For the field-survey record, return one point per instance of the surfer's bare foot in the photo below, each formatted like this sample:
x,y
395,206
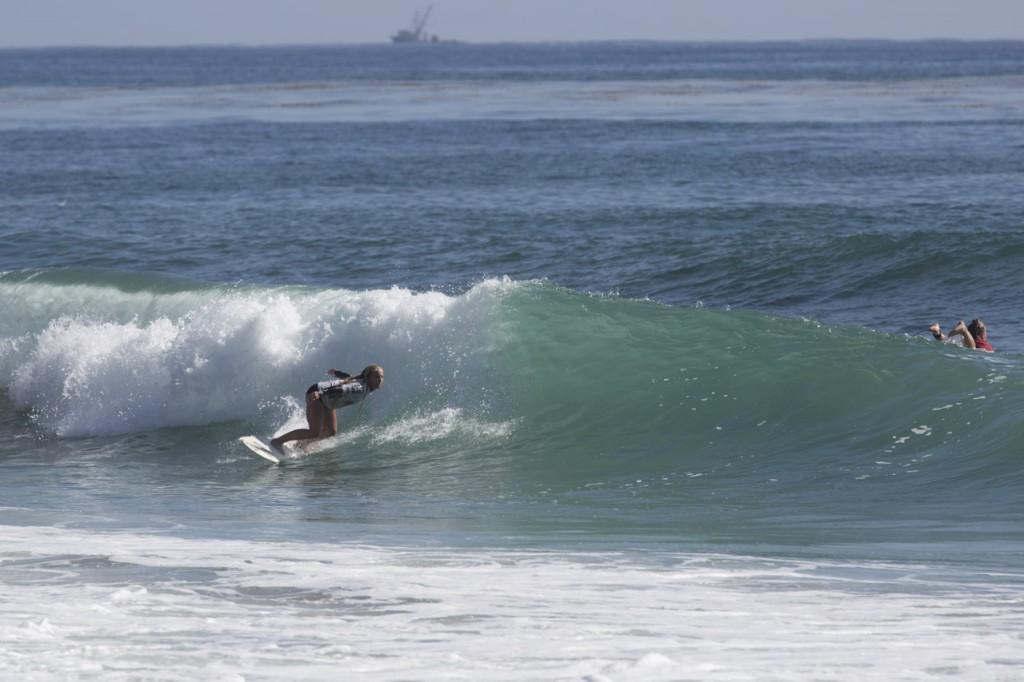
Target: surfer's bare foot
x,y
936,330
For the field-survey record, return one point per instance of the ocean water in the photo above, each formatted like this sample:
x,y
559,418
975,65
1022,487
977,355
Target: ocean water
x,y
660,400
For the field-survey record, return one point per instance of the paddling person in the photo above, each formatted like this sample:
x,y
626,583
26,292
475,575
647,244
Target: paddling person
x,y
322,399
975,334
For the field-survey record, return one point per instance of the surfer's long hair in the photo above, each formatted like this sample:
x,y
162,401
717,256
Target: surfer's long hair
x,y
364,375
368,370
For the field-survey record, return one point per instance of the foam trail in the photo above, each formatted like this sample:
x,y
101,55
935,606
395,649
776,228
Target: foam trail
x,y
426,427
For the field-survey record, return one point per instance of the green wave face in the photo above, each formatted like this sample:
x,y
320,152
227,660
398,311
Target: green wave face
x,y
613,389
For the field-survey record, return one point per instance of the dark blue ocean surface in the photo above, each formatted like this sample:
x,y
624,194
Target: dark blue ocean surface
x,y
870,184
890,225
854,60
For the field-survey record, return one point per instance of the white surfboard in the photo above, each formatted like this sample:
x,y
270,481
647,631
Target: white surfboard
x,y
260,447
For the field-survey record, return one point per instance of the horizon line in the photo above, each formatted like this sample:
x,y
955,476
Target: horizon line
x,y
451,42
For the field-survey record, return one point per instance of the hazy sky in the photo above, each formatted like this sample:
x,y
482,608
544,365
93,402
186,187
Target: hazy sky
x,y
182,22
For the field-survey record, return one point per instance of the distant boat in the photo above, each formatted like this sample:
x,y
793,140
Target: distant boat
x,y
416,33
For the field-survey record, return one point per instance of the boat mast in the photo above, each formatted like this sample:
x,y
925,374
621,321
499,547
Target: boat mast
x,y
420,23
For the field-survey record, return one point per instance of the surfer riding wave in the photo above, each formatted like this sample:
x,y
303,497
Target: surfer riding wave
x,y
325,397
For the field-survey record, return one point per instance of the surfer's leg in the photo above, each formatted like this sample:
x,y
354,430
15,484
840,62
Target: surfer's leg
x,y
314,418
329,424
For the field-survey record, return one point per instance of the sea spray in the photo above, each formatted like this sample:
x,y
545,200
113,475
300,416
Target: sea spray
x,y
150,359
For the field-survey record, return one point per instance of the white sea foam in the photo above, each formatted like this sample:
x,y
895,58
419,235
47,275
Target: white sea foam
x,y
95,360
180,609
446,423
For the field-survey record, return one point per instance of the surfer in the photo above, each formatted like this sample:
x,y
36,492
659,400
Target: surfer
x,y
323,398
975,334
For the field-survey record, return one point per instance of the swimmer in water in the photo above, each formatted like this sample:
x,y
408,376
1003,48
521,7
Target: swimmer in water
x,y
975,334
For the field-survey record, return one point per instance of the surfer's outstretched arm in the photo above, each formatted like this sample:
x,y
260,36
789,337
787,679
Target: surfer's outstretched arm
x,y
937,332
329,425
961,330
